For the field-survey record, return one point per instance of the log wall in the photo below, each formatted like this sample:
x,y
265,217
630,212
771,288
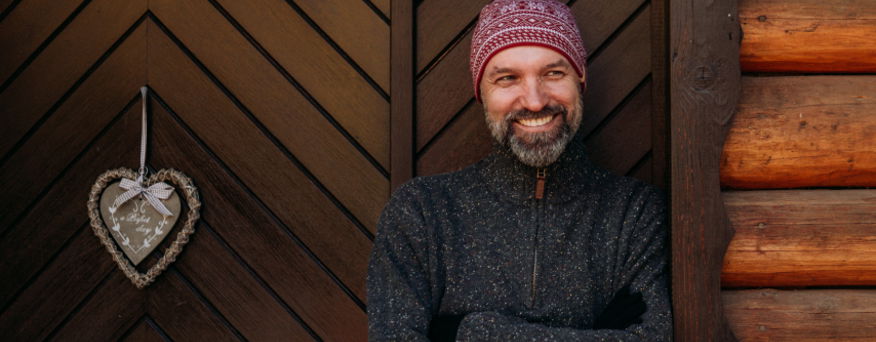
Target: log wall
x,y
797,170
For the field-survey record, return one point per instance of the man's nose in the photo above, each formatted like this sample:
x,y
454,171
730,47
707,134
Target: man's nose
x,y
534,97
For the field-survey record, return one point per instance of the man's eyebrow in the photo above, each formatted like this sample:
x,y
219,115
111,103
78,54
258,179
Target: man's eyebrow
x,y
500,71
504,70
561,62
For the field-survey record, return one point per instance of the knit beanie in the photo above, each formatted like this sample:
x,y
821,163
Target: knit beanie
x,y
508,23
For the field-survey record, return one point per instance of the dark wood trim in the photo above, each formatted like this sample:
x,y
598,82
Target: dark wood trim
x,y
401,95
659,94
705,87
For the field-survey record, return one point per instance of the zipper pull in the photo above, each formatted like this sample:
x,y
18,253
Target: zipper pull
x,y
540,175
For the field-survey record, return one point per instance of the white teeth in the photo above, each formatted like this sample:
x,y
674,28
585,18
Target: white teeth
x,y
535,122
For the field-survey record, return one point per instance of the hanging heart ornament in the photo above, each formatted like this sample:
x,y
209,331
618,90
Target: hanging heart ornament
x,y
132,215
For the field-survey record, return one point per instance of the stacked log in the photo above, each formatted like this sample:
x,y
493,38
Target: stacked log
x,y
797,170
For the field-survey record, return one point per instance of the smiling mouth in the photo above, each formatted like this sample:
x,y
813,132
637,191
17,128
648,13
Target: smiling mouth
x,y
536,122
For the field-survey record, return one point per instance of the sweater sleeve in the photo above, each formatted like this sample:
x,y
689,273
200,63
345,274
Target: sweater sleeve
x,y
642,266
398,284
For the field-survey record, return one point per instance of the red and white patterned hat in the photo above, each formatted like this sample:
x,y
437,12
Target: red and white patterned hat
x,y
508,23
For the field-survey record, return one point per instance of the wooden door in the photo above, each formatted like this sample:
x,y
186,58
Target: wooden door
x,y
281,112
277,109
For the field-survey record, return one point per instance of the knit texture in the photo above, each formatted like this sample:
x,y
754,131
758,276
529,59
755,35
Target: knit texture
x,y
504,24
477,244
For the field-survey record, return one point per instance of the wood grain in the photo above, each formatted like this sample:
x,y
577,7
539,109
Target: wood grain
x,y
799,238
598,20
277,182
808,36
644,170
795,131
659,164
264,246
623,141
5,5
29,245
26,28
357,30
704,87
443,92
113,308
143,332
273,101
99,99
78,269
182,312
62,63
227,285
438,22
464,141
801,315
402,109
383,6
320,70
617,71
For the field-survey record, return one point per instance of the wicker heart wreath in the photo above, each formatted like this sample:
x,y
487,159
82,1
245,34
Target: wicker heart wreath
x,y
119,245
140,211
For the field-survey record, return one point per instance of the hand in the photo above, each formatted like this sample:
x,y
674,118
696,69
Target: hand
x,y
625,309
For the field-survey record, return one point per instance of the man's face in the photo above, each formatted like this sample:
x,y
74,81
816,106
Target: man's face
x,y
532,100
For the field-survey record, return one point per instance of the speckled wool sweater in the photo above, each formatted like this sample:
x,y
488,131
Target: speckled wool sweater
x,y
478,243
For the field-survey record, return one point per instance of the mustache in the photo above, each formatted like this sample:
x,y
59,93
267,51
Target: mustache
x,y
527,114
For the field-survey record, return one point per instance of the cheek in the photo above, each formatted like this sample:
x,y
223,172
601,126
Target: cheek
x,y
565,94
494,116
497,107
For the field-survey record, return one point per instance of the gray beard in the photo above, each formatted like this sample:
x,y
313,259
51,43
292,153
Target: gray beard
x,y
536,149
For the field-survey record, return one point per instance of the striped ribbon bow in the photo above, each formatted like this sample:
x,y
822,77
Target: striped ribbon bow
x,y
154,193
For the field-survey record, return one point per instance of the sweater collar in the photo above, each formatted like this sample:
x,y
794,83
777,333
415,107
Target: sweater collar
x,y
571,174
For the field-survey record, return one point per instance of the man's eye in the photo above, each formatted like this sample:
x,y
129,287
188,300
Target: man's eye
x,y
556,73
506,78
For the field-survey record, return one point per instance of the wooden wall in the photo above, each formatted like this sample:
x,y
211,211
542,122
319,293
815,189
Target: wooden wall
x,y
280,112
798,167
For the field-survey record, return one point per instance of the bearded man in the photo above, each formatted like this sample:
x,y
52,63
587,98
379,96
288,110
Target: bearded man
x,y
533,242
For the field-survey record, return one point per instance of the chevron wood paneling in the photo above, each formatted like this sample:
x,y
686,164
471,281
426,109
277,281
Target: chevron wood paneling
x,y
145,331
272,100
42,17
356,29
38,87
288,144
312,62
279,111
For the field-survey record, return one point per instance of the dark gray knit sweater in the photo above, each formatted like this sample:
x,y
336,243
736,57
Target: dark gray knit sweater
x,y
476,243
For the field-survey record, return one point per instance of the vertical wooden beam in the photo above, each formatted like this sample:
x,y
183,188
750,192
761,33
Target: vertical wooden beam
x,y
659,94
704,88
401,84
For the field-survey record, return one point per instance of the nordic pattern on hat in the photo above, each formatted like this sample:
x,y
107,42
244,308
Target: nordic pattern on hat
x,y
507,23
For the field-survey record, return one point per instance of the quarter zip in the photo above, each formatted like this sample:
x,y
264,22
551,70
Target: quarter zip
x,y
540,176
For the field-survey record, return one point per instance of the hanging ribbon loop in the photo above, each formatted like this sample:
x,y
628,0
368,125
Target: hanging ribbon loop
x,y
153,194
